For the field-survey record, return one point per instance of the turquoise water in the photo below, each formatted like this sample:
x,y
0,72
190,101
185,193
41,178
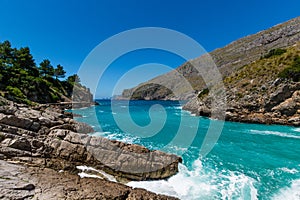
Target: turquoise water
x,y
249,161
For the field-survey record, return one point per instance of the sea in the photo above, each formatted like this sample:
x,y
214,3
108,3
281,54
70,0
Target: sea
x,y
221,160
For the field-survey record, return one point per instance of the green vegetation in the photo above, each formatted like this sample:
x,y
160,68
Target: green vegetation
x,y
5,178
73,79
59,72
203,93
292,72
23,81
265,69
275,52
14,91
261,77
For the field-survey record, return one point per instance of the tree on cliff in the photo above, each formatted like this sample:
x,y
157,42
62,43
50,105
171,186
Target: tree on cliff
x,y
59,72
23,81
46,69
73,79
24,60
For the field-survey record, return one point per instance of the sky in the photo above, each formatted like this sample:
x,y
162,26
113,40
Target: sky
x,y
66,31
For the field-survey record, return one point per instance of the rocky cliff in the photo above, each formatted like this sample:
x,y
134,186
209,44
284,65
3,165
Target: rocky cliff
x,y
260,74
36,143
228,59
265,91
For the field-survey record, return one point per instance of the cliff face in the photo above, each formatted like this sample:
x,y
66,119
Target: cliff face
x,y
265,91
228,59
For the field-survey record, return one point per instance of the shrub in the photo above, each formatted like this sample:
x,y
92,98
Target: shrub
x,y
239,95
203,92
245,84
275,52
54,97
292,72
14,91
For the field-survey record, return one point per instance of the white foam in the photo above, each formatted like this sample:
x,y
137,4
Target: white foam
x,y
276,133
101,133
178,107
85,175
289,193
291,171
237,186
122,137
173,148
189,113
174,107
201,184
178,186
83,108
296,129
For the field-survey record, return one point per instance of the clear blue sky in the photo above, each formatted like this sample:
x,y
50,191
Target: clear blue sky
x,y
65,31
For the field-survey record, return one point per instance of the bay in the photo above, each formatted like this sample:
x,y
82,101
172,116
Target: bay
x,y
247,161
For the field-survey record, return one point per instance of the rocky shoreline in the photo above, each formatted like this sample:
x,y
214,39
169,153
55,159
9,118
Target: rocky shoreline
x,y
281,105
42,146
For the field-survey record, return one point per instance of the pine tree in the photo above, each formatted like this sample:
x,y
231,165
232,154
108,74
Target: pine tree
x,y
46,69
59,72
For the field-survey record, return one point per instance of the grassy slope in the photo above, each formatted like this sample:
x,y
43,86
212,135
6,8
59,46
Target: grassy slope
x,y
259,77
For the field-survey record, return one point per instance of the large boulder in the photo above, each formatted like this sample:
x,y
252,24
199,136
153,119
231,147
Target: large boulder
x,y
289,106
13,120
126,161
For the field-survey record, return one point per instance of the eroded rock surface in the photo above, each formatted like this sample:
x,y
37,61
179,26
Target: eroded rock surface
x,y
23,182
281,106
48,139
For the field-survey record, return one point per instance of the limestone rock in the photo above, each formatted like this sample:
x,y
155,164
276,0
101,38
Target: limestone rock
x,y
12,120
45,139
19,182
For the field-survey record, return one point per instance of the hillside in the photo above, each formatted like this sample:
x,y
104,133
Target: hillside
x,y
228,59
23,81
265,91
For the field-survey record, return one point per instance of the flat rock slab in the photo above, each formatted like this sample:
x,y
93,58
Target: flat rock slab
x,y
20,182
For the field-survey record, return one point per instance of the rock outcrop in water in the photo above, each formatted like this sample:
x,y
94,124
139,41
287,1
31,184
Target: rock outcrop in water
x,y
46,140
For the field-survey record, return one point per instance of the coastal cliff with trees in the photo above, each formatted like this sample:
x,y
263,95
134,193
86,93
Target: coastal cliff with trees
x,y
23,81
